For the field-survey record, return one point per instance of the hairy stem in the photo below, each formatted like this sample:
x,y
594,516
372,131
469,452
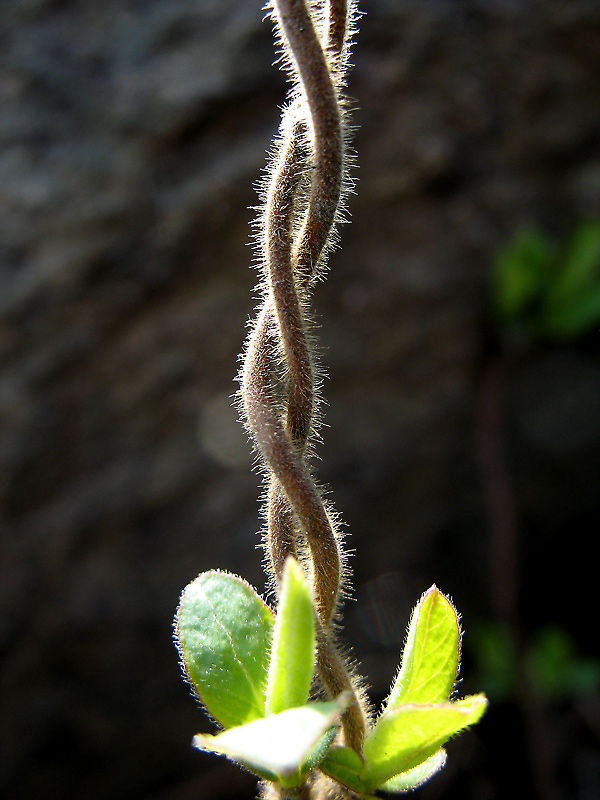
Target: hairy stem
x,y
298,485
282,526
278,376
324,122
280,206
334,674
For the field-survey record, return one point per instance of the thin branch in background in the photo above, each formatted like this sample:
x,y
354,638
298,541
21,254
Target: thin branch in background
x,y
499,496
504,566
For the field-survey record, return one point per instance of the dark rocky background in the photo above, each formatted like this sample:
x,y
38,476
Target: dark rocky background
x,y
131,133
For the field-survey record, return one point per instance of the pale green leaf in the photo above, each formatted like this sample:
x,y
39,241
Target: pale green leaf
x,y
431,653
345,766
293,654
223,632
318,752
278,745
416,776
407,735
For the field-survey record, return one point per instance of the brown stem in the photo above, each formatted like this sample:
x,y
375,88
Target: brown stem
x,y
279,354
300,792
276,443
278,221
298,485
279,217
326,129
335,678
284,293
282,527
499,497
335,29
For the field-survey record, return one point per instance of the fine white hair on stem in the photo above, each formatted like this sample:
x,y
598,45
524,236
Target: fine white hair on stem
x,y
301,203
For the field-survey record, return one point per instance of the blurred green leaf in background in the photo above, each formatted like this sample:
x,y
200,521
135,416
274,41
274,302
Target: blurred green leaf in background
x,y
545,291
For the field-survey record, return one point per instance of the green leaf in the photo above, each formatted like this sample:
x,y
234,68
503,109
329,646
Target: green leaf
x,y
318,752
548,660
580,264
495,658
345,766
417,776
223,633
431,653
554,668
576,315
277,746
520,273
293,654
406,736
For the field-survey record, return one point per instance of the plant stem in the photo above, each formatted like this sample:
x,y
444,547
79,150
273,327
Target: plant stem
x,y
278,377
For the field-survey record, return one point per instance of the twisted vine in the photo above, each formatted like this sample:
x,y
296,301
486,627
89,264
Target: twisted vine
x,y
263,699
278,380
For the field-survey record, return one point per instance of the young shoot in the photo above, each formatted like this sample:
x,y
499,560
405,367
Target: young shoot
x,y
290,708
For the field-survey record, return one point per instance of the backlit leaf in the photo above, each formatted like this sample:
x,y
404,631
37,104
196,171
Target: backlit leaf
x,y
293,655
431,653
277,746
223,632
417,775
407,735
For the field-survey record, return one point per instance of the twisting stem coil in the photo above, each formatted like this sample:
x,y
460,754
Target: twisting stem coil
x,y
279,375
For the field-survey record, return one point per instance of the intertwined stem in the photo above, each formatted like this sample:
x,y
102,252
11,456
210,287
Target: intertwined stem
x,y
278,376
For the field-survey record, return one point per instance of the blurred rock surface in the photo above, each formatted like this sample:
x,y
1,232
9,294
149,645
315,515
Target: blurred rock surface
x,y
131,134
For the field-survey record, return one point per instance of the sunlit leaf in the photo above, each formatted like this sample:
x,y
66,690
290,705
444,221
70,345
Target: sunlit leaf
x,y
417,775
405,736
223,632
293,655
431,653
278,745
